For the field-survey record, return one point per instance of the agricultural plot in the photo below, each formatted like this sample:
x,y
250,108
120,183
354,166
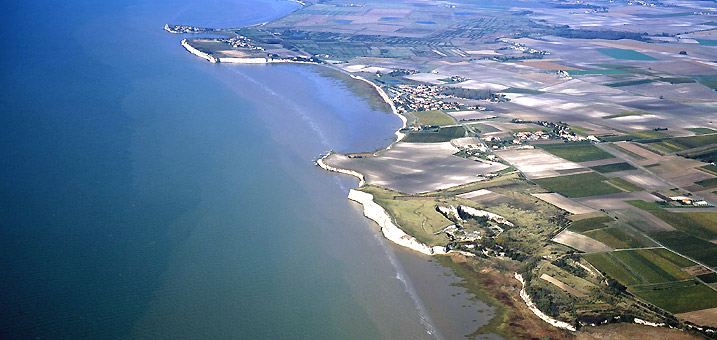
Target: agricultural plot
x,y
537,163
613,167
679,297
564,203
707,317
580,242
433,118
417,167
615,238
624,54
624,185
576,152
471,115
691,246
707,182
437,135
580,185
586,224
683,143
700,224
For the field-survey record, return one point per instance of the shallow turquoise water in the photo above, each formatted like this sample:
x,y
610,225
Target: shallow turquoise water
x,y
148,194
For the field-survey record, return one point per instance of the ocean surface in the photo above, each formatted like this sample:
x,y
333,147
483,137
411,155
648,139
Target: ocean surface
x,y
149,194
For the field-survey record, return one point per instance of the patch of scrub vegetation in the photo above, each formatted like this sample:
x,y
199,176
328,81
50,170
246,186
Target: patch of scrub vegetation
x,y
691,246
434,118
576,152
612,167
700,224
586,224
679,297
437,135
626,114
614,237
623,184
580,185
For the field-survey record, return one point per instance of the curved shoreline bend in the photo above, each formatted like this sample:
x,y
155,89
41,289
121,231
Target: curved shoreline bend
x,y
392,232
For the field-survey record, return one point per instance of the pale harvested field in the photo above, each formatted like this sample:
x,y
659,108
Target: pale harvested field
x,y
564,203
471,115
547,65
536,163
563,286
705,317
642,220
417,167
640,178
615,201
474,194
580,242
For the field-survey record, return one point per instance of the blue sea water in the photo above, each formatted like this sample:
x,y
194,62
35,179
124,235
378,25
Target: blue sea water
x,y
148,194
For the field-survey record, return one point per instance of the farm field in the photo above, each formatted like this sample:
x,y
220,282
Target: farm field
x,y
623,184
439,135
433,118
612,167
680,297
624,54
576,152
691,246
700,224
580,185
614,237
583,225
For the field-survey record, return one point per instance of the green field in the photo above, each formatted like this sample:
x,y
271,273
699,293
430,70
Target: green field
x,y
623,54
684,143
708,278
655,275
614,237
707,42
610,71
630,83
626,113
433,118
691,246
579,130
701,130
700,224
650,265
443,134
710,169
608,264
580,185
576,152
613,167
586,224
707,182
625,185
679,297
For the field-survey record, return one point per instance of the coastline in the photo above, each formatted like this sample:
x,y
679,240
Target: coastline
x,y
392,232
533,308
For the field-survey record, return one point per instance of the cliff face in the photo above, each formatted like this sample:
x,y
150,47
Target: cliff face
x,y
392,232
